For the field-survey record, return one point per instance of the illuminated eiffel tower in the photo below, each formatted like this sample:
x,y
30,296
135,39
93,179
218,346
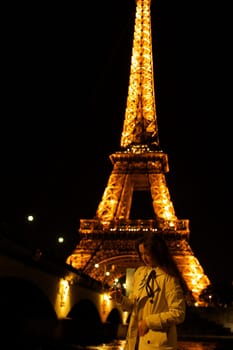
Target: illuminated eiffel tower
x,y
107,242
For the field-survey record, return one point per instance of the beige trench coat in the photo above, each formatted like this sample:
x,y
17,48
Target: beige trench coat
x,y
162,312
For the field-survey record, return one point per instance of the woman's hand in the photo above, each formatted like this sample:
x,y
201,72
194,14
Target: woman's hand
x,y
142,328
116,295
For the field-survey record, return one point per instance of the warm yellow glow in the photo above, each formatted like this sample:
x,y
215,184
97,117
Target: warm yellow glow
x,y
62,304
106,304
106,297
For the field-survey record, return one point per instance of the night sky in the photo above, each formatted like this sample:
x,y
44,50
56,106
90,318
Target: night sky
x,y
65,71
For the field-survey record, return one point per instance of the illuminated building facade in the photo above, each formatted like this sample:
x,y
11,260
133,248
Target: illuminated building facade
x,y
106,248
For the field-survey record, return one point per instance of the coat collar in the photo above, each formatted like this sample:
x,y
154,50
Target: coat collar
x,y
147,283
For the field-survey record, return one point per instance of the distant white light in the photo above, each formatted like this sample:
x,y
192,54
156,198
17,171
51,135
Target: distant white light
x,y
60,239
30,218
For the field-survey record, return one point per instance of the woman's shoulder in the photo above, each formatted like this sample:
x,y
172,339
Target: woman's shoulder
x,y
169,279
141,270
162,273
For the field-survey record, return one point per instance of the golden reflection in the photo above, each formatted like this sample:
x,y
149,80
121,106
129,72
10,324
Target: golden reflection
x,y
182,345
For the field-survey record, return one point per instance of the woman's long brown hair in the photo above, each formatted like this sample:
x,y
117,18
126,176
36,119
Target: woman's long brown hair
x,y
157,247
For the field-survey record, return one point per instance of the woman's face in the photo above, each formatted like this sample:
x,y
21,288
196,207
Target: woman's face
x,y
145,256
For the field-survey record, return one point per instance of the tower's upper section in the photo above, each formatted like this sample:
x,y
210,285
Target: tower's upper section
x,y
140,123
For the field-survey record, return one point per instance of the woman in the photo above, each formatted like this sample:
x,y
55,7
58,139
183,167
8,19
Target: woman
x,y
156,302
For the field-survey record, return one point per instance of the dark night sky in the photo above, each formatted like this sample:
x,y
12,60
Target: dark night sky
x,y
65,71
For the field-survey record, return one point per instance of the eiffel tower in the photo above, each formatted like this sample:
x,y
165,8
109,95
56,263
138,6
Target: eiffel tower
x,y
107,242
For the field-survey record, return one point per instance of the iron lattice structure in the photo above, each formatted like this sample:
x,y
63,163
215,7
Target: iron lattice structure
x,y
107,242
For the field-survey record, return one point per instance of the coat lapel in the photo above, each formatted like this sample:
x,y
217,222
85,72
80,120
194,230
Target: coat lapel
x,y
147,284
